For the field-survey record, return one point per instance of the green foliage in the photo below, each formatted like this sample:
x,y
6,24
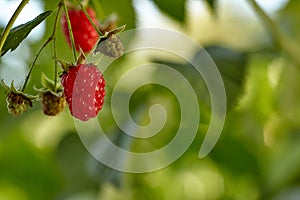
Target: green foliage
x,y
257,156
174,8
123,9
1,29
232,67
82,172
71,158
27,168
212,5
19,33
289,18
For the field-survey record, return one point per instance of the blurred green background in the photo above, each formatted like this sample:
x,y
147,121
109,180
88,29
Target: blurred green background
x,y
258,154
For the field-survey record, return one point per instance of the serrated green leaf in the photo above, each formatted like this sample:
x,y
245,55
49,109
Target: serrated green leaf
x,y
175,8
19,33
212,5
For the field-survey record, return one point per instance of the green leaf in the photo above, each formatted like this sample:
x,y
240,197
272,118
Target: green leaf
x,y
71,156
19,33
86,172
104,174
28,168
231,65
212,5
175,8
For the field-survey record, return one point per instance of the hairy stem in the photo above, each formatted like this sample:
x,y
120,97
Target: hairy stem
x,y
284,43
11,22
54,46
51,38
33,63
70,30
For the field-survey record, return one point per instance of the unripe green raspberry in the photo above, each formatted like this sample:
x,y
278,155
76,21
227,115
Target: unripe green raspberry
x,y
17,103
52,104
52,97
111,46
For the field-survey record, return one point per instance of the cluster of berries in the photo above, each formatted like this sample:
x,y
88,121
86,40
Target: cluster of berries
x,y
82,85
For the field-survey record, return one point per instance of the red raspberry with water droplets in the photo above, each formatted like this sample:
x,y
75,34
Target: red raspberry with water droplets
x,y
85,35
84,89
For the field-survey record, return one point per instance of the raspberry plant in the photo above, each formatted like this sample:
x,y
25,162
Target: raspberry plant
x,y
82,32
256,156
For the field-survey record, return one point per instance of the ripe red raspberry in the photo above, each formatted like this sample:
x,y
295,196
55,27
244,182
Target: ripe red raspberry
x,y
85,36
84,90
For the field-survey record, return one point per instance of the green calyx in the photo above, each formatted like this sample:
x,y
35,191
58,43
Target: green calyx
x,y
52,96
109,34
48,86
108,24
112,32
66,65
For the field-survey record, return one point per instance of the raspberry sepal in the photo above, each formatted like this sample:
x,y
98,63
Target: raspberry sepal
x,y
17,101
52,96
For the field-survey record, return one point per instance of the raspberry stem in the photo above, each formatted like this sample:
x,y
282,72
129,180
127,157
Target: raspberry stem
x,y
33,63
11,22
89,18
54,46
70,30
51,38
